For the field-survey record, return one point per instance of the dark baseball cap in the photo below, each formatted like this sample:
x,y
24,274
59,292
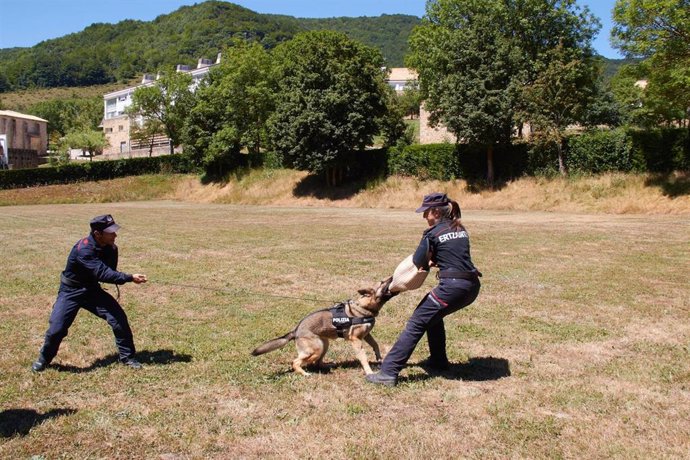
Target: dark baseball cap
x,y
104,223
433,200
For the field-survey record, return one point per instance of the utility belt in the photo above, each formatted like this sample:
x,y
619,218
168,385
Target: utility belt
x,y
74,283
342,322
457,274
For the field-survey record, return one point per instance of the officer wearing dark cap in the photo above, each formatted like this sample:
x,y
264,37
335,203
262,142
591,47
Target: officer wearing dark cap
x,y
446,245
92,260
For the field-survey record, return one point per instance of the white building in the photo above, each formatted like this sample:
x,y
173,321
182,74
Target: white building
x,y
116,123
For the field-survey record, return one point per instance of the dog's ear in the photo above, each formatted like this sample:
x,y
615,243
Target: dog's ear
x,y
367,291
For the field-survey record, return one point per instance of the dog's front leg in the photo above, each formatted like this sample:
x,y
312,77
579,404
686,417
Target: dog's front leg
x,y
374,345
361,354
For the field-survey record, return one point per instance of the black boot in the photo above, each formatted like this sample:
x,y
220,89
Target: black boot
x,y
39,365
382,379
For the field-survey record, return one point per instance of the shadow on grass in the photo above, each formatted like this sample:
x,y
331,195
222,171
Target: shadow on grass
x,y
481,185
475,370
224,177
162,357
18,422
671,185
326,369
159,357
314,186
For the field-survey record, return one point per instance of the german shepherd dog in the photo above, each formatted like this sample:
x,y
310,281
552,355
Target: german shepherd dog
x,y
313,333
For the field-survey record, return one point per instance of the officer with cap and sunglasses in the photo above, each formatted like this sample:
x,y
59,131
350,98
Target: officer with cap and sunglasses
x,y
92,260
446,245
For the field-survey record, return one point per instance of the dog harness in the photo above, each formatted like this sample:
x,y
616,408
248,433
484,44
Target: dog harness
x,y
341,322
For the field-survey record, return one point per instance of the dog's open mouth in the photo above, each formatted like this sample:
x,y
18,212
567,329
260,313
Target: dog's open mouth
x,y
382,292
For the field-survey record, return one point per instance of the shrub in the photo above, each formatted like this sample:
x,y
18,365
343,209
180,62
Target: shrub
x,y
655,150
427,161
97,170
662,150
600,151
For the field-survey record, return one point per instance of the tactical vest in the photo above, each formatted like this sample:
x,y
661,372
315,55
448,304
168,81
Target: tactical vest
x,y
341,322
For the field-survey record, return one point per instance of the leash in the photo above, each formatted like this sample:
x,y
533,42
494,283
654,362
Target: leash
x,y
240,292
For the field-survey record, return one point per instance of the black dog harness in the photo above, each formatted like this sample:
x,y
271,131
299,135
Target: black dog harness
x,y
341,322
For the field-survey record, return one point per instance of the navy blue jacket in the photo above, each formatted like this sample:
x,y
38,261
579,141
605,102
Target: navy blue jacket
x,y
88,264
448,248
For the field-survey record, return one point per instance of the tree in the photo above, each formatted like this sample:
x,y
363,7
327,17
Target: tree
x,y
145,132
604,108
331,91
410,100
65,115
392,124
559,96
232,106
658,31
89,141
168,100
627,88
475,56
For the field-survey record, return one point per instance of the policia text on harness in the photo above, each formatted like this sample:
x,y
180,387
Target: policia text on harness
x,y
342,322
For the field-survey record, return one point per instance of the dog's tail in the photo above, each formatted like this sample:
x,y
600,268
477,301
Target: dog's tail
x,y
274,344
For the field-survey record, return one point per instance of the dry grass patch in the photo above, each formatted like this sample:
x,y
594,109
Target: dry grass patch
x,y
607,194
23,99
133,188
577,346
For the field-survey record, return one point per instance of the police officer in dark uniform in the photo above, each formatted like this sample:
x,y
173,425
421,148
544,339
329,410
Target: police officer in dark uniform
x,y
446,245
93,260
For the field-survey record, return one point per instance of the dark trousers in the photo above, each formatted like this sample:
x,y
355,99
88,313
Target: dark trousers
x,y
96,301
448,297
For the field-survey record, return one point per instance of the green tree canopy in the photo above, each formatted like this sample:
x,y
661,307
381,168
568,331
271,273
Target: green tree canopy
x,y
89,141
168,100
65,115
659,32
331,92
474,57
559,96
232,106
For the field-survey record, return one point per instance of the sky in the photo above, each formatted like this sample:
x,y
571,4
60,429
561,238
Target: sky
x,y
28,22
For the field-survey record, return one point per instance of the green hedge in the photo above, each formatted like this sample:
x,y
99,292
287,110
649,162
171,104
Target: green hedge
x,y
427,161
662,150
96,170
601,151
658,150
595,151
450,161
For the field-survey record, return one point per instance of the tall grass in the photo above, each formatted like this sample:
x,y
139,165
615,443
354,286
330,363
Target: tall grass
x,y
609,193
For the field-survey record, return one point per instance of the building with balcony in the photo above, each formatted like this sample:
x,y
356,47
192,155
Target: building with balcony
x,y
116,122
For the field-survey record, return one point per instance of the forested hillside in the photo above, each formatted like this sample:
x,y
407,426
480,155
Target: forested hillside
x,y
109,53
389,33
106,53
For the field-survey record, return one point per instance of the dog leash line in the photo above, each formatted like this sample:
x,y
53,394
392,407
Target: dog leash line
x,y
242,292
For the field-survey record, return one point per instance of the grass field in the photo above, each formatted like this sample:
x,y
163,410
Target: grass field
x,y
577,347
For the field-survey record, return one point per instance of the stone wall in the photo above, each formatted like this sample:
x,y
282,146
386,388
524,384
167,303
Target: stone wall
x,y
117,132
429,135
24,158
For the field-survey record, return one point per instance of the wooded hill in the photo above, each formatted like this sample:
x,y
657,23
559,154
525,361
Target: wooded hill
x,y
107,53
110,53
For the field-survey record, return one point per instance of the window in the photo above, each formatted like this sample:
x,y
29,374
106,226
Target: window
x,y
108,130
120,128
